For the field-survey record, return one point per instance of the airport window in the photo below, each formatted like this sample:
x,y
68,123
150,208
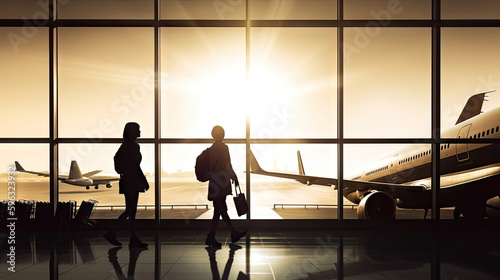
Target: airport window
x,y
29,187
112,9
279,95
470,9
277,73
123,86
276,198
10,9
412,47
291,9
201,9
219,75
23,83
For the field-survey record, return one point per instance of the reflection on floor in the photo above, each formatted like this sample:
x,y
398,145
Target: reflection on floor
x,y
287,254
280,212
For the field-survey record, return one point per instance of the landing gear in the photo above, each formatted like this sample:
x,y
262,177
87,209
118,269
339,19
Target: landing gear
x,y
108,186
87,187
96,187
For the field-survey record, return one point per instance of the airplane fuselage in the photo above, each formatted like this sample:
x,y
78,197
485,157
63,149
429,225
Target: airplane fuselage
x,y
83,182
411,164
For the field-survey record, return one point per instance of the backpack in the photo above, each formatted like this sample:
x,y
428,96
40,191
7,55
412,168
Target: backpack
x,y
202,166
118,161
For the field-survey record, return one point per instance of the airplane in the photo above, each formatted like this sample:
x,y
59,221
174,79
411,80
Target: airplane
x,y
76,177
469,181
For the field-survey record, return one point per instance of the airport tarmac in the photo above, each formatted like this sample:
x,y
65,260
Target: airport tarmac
x,y
185,198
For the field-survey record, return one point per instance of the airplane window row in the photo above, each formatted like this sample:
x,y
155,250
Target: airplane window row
x,y
485,133
377,170
417,156
445,146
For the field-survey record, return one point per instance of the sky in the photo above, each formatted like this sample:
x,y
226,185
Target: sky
x,y
106,80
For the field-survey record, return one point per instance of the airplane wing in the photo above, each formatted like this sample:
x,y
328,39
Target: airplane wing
x,y
460,178
91,173
394,190
19,168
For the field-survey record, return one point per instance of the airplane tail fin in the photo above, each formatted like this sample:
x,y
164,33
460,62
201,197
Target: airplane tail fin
x,y
473,106
18,166
254,165
74,171
301,165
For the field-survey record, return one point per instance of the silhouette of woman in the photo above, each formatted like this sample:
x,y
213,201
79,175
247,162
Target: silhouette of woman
x,y
219,186
132,181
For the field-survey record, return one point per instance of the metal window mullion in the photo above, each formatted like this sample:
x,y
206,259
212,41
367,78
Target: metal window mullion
x,y
436,129
53,111
340,111
436,107
248,98
157,144
157,114
53,129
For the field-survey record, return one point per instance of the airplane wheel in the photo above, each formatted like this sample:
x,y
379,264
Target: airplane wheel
x,y
96,187
108,186
87,187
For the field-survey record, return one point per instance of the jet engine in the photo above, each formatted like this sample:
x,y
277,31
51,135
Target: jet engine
x,y
377,205
493,208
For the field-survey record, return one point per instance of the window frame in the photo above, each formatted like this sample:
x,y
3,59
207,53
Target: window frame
x,y
435,24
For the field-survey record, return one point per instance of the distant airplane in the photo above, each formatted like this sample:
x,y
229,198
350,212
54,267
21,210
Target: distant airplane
x,y
76,177
470,172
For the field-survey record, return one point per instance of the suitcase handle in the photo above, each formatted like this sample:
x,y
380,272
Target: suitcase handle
x,y
236,189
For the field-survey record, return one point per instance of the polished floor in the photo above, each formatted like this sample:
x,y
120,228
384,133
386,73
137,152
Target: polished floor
x,y
284,254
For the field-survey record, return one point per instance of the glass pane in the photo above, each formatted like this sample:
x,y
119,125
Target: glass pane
x,y
183,196
108,9
279,198
469,68
203,9
30,10
387,82
106,79
91,157
24,110
293,9
293,82
470,9
32,157
393,164
383,11
203,81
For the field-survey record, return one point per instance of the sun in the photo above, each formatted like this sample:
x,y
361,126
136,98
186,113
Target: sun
x,y
222,94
